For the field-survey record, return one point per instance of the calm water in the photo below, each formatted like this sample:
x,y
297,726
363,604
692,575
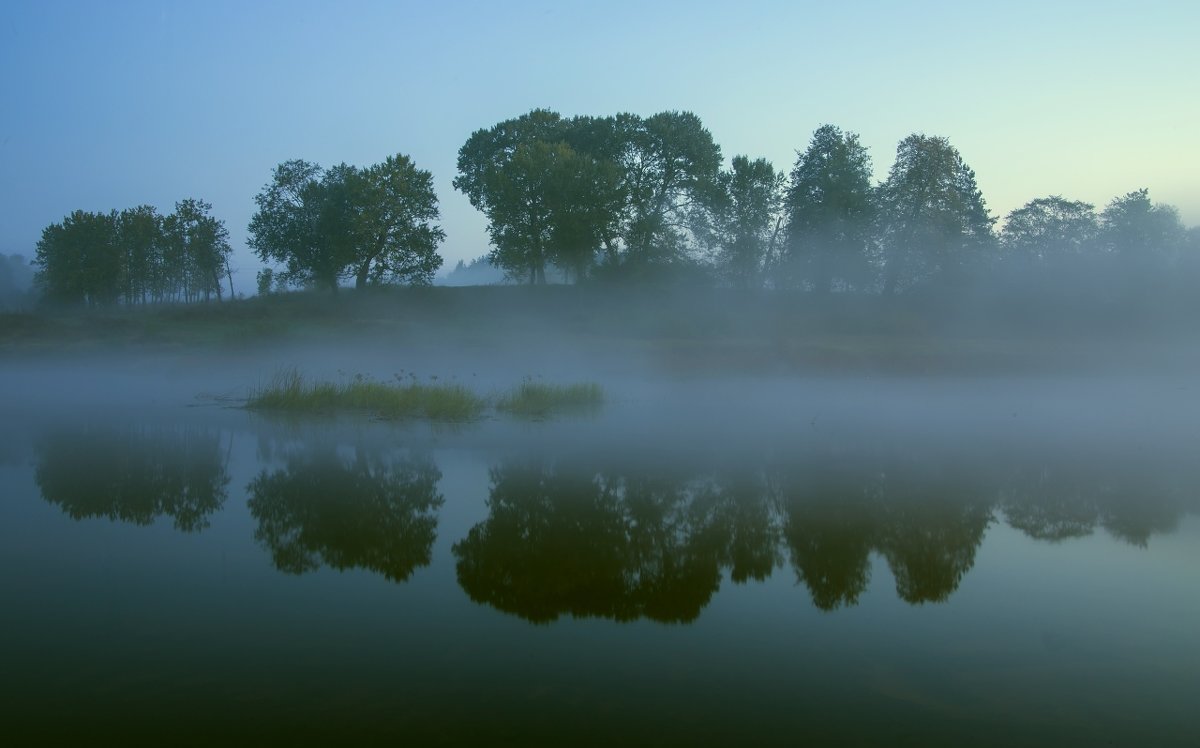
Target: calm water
x,y
835,575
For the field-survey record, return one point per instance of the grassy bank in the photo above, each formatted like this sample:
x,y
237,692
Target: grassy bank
x,y
291,392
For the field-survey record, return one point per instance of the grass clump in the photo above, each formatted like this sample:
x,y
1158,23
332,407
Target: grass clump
x,y
290,391
537,400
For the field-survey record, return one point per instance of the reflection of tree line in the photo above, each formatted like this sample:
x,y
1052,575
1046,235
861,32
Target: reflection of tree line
x,y
135,474
569,539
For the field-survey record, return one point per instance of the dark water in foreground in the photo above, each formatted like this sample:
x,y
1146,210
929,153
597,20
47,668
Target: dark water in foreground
x,y
205,575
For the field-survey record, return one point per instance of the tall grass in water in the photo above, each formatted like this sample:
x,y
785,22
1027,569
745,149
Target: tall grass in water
x,y
289,391
535,399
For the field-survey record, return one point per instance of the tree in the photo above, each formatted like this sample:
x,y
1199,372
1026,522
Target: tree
x,y
373,224
78,260
1141,236
139,234
546,202
670,172
395,237
198,245
748,221
287,228
1049,227
933,219
829,211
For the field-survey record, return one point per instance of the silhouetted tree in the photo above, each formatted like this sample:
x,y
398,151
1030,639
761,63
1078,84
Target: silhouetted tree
x,y
1048,228
932,216
134,474
1143,239
79,261
577,542
829,212
139,235
747,221
369,512
829,528
197,247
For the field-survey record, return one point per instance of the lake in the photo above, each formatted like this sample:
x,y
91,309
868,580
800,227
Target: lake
x,y
852,562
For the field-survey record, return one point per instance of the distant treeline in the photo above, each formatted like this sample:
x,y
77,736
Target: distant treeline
x,y
16,281
136,256
631,198
634,197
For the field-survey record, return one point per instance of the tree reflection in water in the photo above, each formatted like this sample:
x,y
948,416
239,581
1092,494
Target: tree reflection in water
x,y
135,474
367,510
568,539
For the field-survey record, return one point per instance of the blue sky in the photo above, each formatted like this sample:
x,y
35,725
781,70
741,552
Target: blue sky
x,y
110,105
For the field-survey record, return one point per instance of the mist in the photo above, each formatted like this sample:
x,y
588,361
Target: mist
x,y
597,425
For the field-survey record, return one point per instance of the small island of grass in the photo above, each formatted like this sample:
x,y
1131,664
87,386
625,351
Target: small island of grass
x,y
291,392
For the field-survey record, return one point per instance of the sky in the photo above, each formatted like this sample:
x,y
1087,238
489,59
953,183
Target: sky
x,y
115,104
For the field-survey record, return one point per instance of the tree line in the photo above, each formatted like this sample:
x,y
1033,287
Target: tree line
x,y
612,539
630,196
135,256
627,197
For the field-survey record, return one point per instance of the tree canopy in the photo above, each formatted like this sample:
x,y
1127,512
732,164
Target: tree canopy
x,y
373,224
136,256
829,211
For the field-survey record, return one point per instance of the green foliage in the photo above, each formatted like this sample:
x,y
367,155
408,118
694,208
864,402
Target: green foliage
x,y
370,511
1140,233
135,474
747,220
933,220
635,191
537,400
1049,228
830,207
290,391
372,224
135,256
79,261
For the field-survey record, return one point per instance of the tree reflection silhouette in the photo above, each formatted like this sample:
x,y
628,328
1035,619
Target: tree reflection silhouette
x,y
134,474
367,511
1069,501
587,541
927,526
578,542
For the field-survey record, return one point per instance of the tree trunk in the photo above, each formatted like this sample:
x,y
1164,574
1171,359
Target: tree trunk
x,y
360,278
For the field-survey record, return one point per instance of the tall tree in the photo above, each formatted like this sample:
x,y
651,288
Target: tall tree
x,y
748,220
829,212
933,218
